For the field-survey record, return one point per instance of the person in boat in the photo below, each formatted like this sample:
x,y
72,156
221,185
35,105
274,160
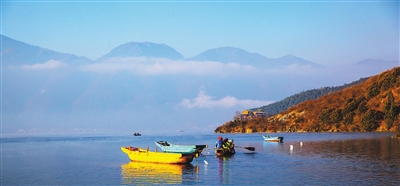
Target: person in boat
x,y
219,143
226,144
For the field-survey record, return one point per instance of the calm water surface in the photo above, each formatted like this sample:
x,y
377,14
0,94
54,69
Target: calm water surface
x,y
314,159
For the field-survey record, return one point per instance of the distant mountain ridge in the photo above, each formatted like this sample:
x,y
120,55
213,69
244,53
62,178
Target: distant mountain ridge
x,y
19,53
236,55
372,62
33,54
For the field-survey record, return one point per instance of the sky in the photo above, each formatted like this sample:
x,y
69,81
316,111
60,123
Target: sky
x,y
329,33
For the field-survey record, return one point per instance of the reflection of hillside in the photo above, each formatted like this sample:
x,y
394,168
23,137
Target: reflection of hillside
x,y
381,154
366,149
153,173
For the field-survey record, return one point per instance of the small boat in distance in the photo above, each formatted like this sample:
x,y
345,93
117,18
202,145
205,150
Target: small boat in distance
x,y
175,148
136,134
273,138
144,155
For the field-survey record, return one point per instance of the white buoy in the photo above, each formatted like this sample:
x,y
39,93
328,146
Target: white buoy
x,y
205,162
301,143
291,147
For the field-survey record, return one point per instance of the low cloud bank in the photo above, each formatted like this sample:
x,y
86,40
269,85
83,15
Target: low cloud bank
x,y
205,101
158,66
51,64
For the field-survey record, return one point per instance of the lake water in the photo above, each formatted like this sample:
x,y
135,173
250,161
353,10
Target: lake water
x,y
315,159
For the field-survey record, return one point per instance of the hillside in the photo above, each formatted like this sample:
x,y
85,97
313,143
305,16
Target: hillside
x,y
369,106
275,108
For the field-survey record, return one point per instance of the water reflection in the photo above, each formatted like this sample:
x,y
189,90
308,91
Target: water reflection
x,y
273,147
347,161
154,173
223,169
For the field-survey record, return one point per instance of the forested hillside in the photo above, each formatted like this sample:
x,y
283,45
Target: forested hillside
x,y
369,106
275,108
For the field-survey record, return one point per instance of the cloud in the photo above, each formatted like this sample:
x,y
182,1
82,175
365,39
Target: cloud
x,y
158,66
51,64
205,101
144,66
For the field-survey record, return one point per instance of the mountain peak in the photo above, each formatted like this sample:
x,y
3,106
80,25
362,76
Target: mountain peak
x,y
143,49
230,55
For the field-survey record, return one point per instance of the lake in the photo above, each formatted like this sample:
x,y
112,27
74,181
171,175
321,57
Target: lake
x,y
314,159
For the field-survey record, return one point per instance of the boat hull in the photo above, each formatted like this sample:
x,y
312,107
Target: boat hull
x,y
142,155
225,152
184,149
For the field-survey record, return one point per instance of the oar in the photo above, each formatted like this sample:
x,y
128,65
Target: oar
x,y
248,148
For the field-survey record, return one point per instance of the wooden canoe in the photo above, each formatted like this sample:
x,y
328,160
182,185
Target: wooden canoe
x,y
225,152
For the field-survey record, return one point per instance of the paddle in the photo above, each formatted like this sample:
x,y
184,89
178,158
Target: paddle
x,y
248,148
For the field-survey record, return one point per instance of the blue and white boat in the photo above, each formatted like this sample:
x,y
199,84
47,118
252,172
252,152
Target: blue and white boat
x,y
183,149
273,138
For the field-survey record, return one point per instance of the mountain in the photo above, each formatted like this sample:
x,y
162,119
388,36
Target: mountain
x,y
144,49
230,55
373,105
18,53
236,55
374,62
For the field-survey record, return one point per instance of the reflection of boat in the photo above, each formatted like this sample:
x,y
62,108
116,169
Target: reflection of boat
x,y
184,149
143,173
142,155
223,169
273,138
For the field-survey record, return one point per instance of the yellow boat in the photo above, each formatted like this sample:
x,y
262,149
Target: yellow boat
x,y
144,155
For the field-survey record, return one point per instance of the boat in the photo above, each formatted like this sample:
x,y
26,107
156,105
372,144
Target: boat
x,y
184,149
226,151
144,155
273,138
137,134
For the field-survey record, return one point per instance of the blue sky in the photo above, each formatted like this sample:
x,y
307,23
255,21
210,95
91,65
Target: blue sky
x,y
329,33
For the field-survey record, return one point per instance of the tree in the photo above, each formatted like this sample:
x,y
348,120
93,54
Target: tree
x,y
390,111
348,118
331,116
362,107
373,90
370,119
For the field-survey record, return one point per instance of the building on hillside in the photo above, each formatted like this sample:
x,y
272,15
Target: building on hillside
x,y
248,114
